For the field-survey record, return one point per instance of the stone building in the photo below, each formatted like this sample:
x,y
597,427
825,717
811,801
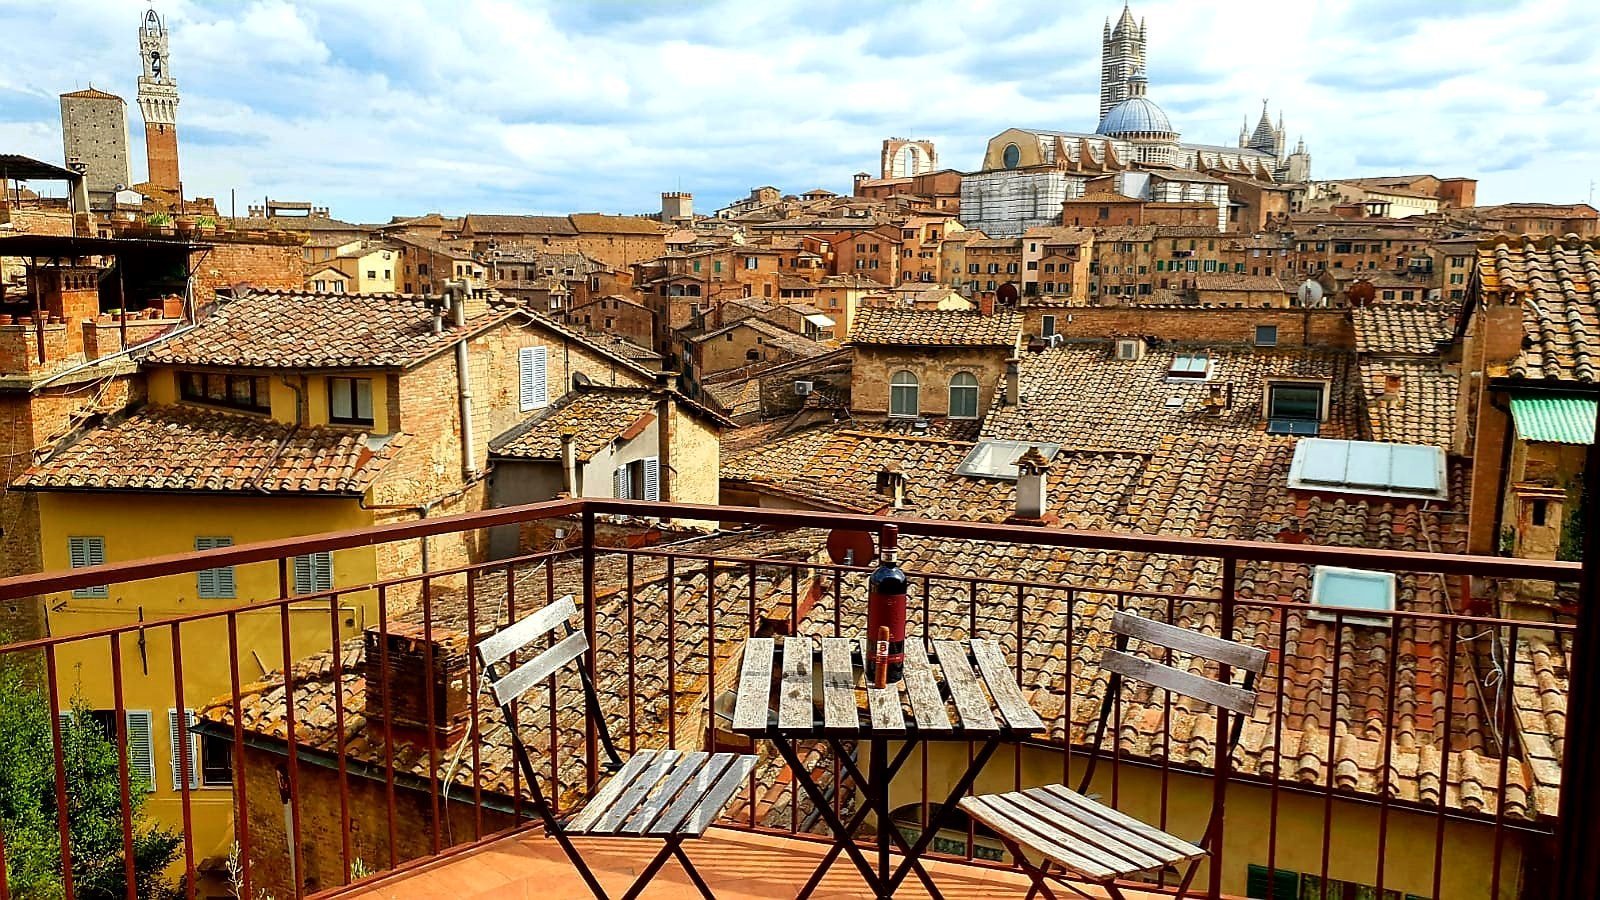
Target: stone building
x,y
907,158
94,136
915,365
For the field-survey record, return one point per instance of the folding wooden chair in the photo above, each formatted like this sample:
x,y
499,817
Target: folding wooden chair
x,y
1078,835
666,795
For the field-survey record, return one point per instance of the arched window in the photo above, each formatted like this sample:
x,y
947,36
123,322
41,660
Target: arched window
x,y
903,394
963,396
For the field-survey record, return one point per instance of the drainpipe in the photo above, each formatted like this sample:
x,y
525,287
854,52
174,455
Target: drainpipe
x,y
456,292
299,398
569,464
664,406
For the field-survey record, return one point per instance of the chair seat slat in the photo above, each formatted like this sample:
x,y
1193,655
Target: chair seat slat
x,y
1150,832
636,794
1024,830
609,792
525,631
1112,840
715,799
651,809
672,820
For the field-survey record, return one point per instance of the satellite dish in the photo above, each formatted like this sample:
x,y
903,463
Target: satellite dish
x,y
851,547
1310,293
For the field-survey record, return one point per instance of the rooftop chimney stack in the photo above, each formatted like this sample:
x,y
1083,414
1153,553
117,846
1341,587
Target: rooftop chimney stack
x,y
892,484
1032,488
986,303
409,682
1013,381
569,463
1391,388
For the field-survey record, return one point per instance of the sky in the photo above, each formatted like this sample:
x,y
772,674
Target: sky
x,y
405,106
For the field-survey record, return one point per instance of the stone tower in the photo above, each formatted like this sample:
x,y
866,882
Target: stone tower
x,y
903,157
94,135
158,102
1121,55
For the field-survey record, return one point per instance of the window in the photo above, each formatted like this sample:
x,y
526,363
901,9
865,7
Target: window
x,y
214,584
1011,156
313,573
1266,335
1294,401
1352,589
1190,367
136,734
83,552
637,480
750,262
716,265
998,458
371,274
247,392
533,387
1129,348
903,394
963,396
1047,322
184,766
388,273
350,401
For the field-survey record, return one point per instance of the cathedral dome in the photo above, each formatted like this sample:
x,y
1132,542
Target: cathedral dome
x,y
1135,115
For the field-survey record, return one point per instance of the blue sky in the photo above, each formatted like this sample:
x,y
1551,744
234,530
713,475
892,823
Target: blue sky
x,y
406,106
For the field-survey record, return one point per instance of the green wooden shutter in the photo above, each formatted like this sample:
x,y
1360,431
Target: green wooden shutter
x,y
1285,884
214,583
88,551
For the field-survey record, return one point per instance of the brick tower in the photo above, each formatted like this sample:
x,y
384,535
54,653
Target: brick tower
x,y
158,101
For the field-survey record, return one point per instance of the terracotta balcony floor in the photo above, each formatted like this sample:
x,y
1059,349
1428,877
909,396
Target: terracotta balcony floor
x,y
738,866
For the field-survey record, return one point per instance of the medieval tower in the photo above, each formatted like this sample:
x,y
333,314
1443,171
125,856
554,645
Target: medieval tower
x,y
1121,56
158,102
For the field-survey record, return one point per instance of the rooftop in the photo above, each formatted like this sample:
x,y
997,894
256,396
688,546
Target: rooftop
x,y
936,328
1557,284
1404,329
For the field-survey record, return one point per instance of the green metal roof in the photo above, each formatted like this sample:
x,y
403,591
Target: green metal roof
x,y
1554,418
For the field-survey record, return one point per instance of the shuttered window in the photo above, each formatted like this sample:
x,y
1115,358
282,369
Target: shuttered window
x,y
185,766
313,573
88,551
533,389
141,754
620,483
214,584
637,480
652,478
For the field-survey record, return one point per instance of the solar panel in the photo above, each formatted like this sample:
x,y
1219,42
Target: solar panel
x,y
1369,467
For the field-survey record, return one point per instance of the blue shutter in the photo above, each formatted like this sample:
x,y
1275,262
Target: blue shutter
x,y
214,583
141,754
88,551
313,573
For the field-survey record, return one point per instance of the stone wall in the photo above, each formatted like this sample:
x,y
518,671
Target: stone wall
x,y
933,366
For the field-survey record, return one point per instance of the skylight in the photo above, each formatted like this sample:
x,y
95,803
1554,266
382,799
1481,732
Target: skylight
x,y
1332,586
1369,467
998,459
1190,367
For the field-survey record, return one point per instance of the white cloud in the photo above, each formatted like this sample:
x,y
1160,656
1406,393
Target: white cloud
x,y
394,108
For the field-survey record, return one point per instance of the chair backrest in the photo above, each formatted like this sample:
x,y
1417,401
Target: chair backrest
x,y
495,649
1252,660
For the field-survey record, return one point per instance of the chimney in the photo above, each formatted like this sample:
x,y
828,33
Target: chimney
x,y
986,303
569,463
892,484
1033,500
410,682
1391,388
1013,381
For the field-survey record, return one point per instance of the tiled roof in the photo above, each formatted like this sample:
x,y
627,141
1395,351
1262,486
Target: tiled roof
x,y
186,448
305,330
1403,328
772,335
1425,411
505,224
1557,283
91,93
739,399
936,328
1540,697
596,416
595,223
1082,397
1239,281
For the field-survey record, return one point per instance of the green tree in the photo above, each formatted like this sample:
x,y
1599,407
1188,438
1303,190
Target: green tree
x,y
28,809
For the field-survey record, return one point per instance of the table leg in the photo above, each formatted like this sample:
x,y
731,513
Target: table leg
x,y
843,837
945,810
854,772
880,786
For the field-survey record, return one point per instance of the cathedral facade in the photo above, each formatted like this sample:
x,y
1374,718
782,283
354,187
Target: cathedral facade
x,y
1027,173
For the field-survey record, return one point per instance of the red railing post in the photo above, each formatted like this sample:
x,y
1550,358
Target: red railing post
x,y
1578,829
590,735
1221,751
58,745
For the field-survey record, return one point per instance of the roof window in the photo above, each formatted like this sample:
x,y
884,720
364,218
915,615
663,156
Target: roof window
x,y
1190,367
1127,348
1369,467
998,459
1352,589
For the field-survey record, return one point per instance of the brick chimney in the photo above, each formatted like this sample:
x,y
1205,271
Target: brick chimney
x,y
986,303
410,683
1013,394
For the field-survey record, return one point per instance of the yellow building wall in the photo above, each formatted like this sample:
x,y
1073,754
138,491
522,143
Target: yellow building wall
x,y
1407,852
163,390
135,526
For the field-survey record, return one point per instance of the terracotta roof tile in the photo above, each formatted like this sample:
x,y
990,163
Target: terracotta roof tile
x,y
186,448
306,330
596,416
1424,410
507,224
1403,328
936,328
1557,283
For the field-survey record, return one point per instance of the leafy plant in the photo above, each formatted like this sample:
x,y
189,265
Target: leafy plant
x,y
206,222
159,218
28,808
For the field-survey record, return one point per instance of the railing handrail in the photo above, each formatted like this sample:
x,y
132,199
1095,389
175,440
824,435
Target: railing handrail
x,y
1070,538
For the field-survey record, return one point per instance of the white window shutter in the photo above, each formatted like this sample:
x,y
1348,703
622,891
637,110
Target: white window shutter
x,y
533,388
619,483
190,771
323,569
652,478
141,755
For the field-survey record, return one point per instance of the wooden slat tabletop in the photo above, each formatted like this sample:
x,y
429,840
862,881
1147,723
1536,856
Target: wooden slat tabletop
x,y
818,691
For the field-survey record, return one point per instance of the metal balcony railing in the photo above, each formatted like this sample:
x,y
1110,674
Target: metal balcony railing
x,y
1406,753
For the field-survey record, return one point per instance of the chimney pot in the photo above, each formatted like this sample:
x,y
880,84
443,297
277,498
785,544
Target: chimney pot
x,y
1032,488
1013,381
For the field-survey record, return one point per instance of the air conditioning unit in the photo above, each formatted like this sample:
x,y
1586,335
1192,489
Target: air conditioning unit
x,y
802,388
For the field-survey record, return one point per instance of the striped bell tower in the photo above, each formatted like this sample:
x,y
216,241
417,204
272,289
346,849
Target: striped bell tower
x,y
1121,55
